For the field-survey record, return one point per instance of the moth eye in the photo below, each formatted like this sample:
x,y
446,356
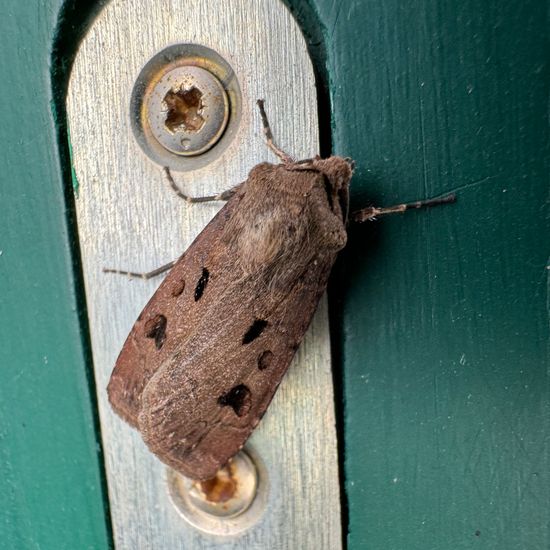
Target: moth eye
x,y
156,328
178,288
264,359
254,331
238,398
201,284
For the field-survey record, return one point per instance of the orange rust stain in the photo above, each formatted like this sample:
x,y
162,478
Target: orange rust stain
x,y
222,487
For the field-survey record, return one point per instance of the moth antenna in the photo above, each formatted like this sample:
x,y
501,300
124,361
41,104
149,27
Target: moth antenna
x,y
373,212
286,158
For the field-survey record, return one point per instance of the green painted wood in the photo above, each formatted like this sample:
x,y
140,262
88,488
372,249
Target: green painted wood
x,y
50,467
443,314
443,326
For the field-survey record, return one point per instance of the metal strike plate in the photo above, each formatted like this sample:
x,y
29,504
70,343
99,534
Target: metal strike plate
x,y
130,219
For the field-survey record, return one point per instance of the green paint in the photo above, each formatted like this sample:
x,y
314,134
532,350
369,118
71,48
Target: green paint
x,y
51,493
442,315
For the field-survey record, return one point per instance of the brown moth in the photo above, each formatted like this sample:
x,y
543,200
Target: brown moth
x,y
207,353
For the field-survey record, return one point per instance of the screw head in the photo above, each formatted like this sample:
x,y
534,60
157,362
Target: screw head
x,y
227,504
187,110
185,107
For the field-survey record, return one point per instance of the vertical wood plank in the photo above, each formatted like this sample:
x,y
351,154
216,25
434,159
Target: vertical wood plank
x,y
128,218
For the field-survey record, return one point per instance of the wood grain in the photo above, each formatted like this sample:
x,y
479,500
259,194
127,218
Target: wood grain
x,y
128,218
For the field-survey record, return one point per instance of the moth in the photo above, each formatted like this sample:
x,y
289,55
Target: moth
x,y
206,355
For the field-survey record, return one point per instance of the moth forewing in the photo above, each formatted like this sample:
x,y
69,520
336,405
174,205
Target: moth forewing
x,y
151,342
200,366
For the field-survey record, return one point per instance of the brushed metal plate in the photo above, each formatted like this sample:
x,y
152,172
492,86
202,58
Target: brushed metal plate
x,y
129,218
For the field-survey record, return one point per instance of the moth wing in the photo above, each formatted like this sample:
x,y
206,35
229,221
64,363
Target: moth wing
x,y
209,350
202,404
168,318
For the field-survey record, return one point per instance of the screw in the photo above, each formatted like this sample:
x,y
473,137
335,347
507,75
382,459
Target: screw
x,y
187,110
226,504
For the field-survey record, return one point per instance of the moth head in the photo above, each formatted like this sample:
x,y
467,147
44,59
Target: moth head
x,y
337,172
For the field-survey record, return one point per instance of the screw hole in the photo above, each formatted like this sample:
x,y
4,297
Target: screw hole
x,y
184,110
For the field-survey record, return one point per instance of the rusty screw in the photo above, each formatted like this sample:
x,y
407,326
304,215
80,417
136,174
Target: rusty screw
x,y
187,110
228,503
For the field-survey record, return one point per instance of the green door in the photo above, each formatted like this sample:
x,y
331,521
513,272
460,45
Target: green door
x,y
51,490
440,318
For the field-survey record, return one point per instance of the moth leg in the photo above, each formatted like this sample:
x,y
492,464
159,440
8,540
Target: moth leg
x,y
223,196
147,275
372,212
286,158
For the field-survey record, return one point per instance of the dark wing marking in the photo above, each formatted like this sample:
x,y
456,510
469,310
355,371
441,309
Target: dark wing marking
x,y
222,384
